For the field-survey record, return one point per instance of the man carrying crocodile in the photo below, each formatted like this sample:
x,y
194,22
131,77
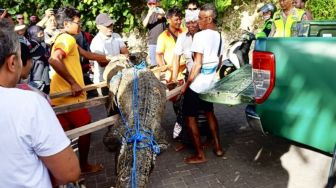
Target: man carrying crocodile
x,y
208,51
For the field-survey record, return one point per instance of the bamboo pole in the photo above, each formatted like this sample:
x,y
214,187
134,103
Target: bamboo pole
x,y
61,109
95,126
92,127
86,88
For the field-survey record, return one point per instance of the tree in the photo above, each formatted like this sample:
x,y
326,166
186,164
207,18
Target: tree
x,y
128,13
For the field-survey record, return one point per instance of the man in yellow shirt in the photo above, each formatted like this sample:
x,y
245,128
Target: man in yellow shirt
x,y
69,77
166,42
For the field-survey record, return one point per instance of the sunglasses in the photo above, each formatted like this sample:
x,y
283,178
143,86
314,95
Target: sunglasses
x,y
20,18
151,3
192,8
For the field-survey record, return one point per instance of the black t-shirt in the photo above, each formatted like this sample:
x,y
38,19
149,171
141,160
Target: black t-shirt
x,y
155,27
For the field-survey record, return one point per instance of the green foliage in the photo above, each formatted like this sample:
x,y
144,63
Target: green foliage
x,y
221,5
322,9
128,13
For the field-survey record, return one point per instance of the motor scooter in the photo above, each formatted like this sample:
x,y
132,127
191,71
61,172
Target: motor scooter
x,y
237,54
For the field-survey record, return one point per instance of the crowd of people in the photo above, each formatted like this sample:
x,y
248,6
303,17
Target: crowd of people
x,y
187,47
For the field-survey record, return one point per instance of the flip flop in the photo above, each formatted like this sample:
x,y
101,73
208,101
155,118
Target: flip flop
x,y
218,153
179,147
92,169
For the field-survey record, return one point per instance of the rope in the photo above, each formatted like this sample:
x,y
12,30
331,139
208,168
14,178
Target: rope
x,y
140,137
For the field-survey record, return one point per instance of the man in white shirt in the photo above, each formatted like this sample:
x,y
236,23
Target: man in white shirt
x,y
207,47
106,43
33,142
184,42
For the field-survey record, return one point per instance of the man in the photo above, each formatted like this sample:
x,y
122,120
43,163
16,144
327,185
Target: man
x,y
20,19
301,4
267,13
183,49
207,47
193,5
39,75
155,22
33,20
285,18
184,42
166,42
106,43
69,77
33,141
165,53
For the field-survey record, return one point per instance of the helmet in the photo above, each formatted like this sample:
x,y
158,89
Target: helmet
x,y
267,7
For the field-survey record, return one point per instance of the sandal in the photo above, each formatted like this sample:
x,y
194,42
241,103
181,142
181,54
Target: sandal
x,y
89,169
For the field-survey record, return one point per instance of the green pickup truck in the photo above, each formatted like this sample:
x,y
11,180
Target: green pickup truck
x,y
292,81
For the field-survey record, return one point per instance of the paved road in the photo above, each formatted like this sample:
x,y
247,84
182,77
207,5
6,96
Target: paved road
x,y
252,160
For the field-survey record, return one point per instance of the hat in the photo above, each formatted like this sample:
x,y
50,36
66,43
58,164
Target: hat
x,y
20,28
152,1
267,7
104,19
191,15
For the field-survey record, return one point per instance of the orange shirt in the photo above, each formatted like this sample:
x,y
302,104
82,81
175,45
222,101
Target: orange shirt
x,y
68,45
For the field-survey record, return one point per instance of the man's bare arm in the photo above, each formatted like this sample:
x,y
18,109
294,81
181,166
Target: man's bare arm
x,y
56,61
146,20
3,15
309,15
103,60
159,59
42,22
194,71
196,67
176,65
64,166
272,33
124,51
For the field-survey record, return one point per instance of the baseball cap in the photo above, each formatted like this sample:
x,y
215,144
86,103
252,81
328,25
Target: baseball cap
x,y
20,28
104,19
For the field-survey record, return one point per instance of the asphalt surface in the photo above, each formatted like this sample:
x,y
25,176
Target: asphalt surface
x,y
251,160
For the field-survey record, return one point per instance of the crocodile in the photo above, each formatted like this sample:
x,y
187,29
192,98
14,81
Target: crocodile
x,y
120,75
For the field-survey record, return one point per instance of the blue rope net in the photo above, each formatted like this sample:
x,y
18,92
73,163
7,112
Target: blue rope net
x,y
139,137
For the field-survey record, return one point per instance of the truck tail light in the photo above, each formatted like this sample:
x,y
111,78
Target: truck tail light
x,y
263,75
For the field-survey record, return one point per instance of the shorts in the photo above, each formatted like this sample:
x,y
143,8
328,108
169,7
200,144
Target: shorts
x,y
74,119
192,104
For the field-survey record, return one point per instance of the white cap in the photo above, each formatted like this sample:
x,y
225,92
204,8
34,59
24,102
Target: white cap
x,y
191,15
20,28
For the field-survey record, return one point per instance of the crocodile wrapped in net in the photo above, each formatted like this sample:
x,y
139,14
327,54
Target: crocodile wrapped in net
x,y
151,105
